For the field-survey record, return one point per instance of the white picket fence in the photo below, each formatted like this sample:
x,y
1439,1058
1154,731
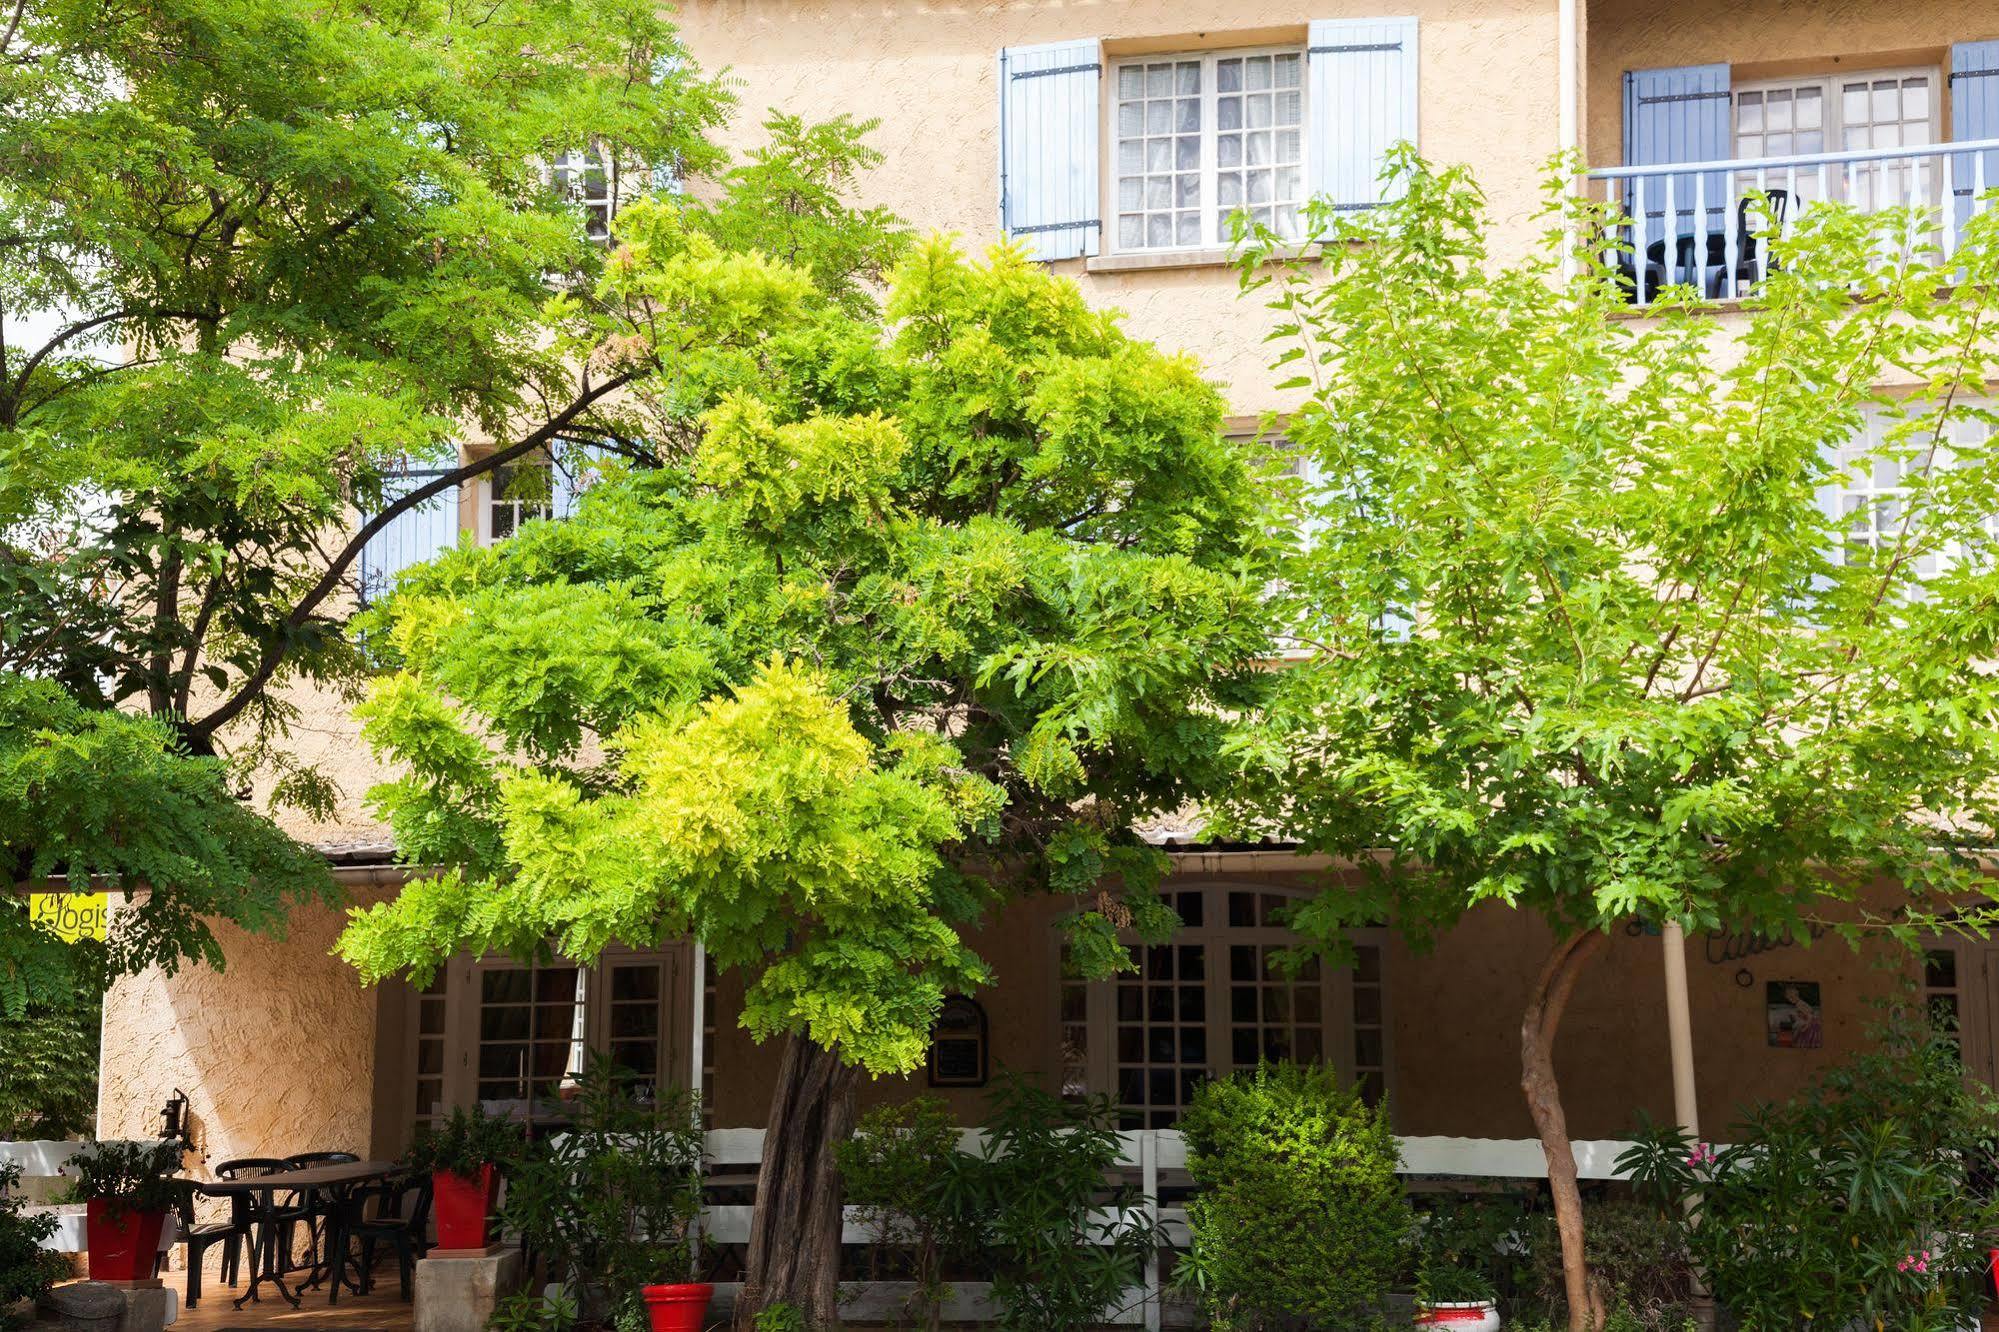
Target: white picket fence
x,y
1149,1155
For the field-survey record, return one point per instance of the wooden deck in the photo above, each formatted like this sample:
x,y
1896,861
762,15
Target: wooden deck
x,y
380,1311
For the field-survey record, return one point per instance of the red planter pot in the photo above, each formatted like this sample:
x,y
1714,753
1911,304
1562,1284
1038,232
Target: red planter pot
x,y
462,1206
678,1308
123,1241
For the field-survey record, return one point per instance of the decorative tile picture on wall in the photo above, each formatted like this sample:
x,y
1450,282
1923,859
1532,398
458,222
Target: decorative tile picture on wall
x,y
1793,1015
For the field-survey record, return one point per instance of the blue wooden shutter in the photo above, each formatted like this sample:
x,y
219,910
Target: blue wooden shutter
x,y
1051,200
1360,100
1679,115
1974,114
411,537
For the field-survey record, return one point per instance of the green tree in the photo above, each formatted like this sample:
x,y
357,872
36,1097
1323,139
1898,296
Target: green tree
x,y
909,612
259,259
1589,639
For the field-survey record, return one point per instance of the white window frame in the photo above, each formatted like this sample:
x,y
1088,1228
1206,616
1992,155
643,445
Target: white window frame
x,y
1832,128
1861,483
490,498
1212,235
563,172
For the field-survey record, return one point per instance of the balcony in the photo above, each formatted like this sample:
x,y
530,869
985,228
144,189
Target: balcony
x,y
1700,225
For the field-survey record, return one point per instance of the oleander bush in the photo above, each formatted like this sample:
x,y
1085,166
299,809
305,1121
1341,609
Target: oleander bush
x,y
1864,1202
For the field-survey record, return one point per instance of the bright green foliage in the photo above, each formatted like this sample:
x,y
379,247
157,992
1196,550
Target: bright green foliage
x,y
1649,675
1299,1211
1864,1201
262,256
905,616
48,1068
111,799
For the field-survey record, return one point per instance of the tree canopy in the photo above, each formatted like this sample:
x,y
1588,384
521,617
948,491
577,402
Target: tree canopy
x,y
262,260
924,611
903,613
1614,618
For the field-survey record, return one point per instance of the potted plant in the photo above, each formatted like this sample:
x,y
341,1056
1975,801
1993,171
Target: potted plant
x,y
127,1190
466,1159
612,1203
1459,1298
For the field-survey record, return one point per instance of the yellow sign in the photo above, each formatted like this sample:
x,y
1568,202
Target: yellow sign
x,y
73,916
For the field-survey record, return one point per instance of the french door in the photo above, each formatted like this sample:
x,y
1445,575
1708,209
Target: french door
x,y
1215,999
514,1037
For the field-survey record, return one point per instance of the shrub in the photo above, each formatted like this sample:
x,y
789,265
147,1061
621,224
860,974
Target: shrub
x,y
467,1140
904,1175
27,1270
1299,1211
1858,1203
138,1175
612,1200
1065,1248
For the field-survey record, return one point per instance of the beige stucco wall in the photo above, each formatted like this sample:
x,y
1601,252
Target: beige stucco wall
x,y
927,69
276,1052
1764,39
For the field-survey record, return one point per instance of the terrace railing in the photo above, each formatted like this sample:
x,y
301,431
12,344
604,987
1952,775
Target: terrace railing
x,y
1152,1158
1705,224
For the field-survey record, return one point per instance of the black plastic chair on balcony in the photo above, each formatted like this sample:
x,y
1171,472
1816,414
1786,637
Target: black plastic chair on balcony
x,y
1710,274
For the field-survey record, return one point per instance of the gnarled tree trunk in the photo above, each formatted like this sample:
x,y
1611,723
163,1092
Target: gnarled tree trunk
x,y
1545,1004
794,1253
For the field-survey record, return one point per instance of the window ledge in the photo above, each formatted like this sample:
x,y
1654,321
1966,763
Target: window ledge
x,y
1217,258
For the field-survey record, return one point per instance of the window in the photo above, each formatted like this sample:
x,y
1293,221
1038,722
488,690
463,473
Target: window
x,y
583,177
514,1037
516,493
1199,136
1217,998
1876,109
1870,499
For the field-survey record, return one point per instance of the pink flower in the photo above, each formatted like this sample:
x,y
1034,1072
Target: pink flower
x,y
1918,1263
1702,1155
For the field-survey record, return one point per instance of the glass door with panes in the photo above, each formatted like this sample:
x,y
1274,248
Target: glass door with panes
x,y
1217,998
515,1037
1868,109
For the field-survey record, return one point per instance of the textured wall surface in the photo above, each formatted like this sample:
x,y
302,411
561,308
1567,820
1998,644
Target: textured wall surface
x,y
276,1053
927,69
1766,39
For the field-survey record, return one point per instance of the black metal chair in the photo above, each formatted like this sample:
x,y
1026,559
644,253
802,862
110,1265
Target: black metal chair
x,y
401,1221
200,1236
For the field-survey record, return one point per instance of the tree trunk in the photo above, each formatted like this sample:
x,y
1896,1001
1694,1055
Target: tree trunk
x,y
1545,1004
794,1253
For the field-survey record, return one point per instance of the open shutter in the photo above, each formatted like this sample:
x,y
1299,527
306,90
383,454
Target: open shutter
x,y
1050,197
411,537
1678,115
1974,114
1360,100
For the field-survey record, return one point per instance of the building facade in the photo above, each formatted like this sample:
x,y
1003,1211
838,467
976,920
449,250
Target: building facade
x,y
1114,139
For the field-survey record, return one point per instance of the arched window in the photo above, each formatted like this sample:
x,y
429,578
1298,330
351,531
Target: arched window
x,y
1214,1000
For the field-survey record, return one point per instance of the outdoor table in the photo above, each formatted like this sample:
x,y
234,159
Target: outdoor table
x,y
339,1180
